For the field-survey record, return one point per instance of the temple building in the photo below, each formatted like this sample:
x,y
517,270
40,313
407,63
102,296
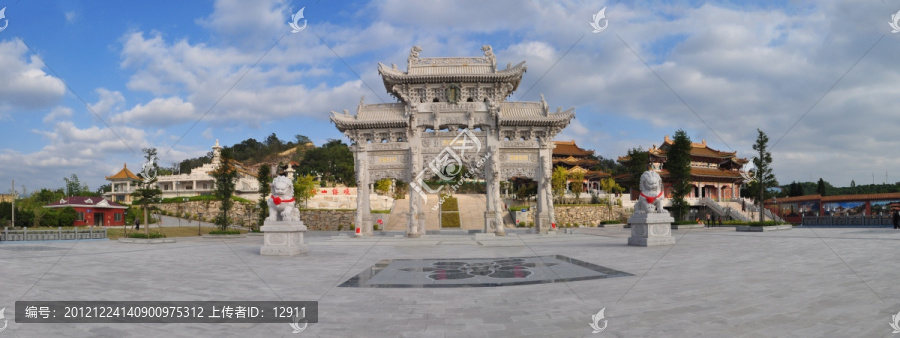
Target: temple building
x,y
568,155
200,181
197,182
123,184
714,174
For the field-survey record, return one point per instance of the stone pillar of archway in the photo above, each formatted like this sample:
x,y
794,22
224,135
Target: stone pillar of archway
x,y
363,216
493,220
545,216
415,222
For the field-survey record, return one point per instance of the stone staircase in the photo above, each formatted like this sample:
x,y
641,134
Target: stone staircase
x,y
471,213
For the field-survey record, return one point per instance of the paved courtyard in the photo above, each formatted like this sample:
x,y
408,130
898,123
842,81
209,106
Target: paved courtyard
x,y
805,282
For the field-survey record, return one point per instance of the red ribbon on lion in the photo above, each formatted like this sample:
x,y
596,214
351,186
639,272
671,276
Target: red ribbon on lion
x,y
651,199
277,200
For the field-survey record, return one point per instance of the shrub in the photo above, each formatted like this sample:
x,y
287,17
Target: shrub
x,y
610,222
521,224
340,227
375,226
225,232
143,235
518,207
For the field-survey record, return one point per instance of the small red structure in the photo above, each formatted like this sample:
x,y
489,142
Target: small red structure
x,y
93,210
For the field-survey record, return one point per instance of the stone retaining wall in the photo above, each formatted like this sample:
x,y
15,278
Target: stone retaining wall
x,y
314,219
209,209
579,214
587,215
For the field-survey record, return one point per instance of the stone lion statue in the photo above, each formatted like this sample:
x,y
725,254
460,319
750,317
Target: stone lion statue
x,y
282,206
652,197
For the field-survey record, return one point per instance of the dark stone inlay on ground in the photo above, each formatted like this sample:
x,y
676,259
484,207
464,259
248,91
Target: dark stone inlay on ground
x,y
478,272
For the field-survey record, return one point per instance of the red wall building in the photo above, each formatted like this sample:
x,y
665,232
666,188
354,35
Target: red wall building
x,y
93,210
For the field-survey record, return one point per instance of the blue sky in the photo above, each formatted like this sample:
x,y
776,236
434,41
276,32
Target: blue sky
x,y
147,72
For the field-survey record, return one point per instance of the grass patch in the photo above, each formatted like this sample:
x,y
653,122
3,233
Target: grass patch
x,y
611,222
116,233
450,220
381,211
201,198
518,207
450,204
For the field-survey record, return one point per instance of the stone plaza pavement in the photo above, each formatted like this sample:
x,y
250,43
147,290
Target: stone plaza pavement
x,y
806,282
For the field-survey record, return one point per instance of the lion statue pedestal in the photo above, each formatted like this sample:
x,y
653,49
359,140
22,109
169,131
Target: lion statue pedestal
x,y
283,230
651,225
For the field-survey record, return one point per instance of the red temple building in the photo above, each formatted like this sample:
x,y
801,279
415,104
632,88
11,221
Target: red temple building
x,y
93,210
714,174
568,155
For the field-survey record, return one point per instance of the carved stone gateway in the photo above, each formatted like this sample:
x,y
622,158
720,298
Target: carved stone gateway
x,y
452,112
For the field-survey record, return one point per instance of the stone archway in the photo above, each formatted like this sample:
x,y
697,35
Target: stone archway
x,y
460,117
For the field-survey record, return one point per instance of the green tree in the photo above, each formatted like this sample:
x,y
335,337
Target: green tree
x,y
558,181
763,172
678,163
304,188
225,176
147,191
264,178
610,186
74,186
66,217
383,186
333,161
795,189
820,187
638,162
302,140
577,185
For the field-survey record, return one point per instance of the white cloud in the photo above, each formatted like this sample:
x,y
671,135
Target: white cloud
x,y
70,149
57,112
249,23
23,83
108,101
158,112
71,16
